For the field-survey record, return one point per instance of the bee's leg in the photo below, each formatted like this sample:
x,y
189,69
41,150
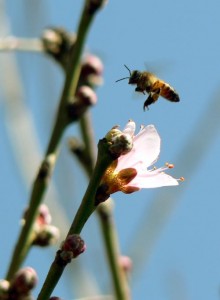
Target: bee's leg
x,y
138,89
153,96
148,102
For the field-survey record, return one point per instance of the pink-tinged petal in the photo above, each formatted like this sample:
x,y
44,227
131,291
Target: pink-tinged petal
x,y
153,180
130,128
149,139
145,150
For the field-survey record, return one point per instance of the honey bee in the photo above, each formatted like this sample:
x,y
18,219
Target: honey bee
x,y
155,87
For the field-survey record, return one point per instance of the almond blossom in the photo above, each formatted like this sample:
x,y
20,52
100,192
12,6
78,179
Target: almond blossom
x,y
131,172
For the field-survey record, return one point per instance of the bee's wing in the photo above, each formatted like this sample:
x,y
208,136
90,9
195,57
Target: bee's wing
x,y
158,67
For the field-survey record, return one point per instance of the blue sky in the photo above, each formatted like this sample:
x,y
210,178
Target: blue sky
x,y
172,234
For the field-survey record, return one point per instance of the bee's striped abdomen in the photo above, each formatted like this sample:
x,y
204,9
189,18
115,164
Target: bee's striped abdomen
x,y
166,91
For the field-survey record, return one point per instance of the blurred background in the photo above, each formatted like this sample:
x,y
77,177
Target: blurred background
x,y
172,234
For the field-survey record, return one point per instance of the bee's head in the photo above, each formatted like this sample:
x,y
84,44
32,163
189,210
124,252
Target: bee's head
x,y
134,78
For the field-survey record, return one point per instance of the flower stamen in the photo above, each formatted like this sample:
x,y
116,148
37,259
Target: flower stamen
x,y
169,166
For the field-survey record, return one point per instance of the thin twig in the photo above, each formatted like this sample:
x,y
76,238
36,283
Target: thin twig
x,y
87,207
105,215
40,185
12,43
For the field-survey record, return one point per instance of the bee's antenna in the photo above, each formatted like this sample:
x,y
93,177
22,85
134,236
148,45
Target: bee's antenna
x,y
122,79
128,69
125,77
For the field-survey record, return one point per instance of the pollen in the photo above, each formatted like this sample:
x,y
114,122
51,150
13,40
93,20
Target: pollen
x,y
169,166
182,179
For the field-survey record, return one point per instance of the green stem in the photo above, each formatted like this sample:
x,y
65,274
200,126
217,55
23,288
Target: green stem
x,y
39,187
88,138
105,214
53,276
109,233
86,208
25,239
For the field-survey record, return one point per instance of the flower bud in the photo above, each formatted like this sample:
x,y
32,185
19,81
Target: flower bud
x,y
44,216
120,143
4,287
125,263
58,43
72,247
46,235
92,70
24,281
86,96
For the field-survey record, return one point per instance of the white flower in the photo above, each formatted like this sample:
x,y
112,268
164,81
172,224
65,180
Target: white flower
x,y
130,172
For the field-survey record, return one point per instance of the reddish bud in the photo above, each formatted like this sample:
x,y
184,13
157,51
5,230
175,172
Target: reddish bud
x,y
86,96
125,263
72,247
24,281
44,216
92,70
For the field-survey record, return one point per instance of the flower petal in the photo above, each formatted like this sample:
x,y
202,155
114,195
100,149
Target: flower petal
x,y
153,180
130,128
145,150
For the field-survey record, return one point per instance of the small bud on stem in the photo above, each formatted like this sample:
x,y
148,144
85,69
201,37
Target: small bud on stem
x,y
72,247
